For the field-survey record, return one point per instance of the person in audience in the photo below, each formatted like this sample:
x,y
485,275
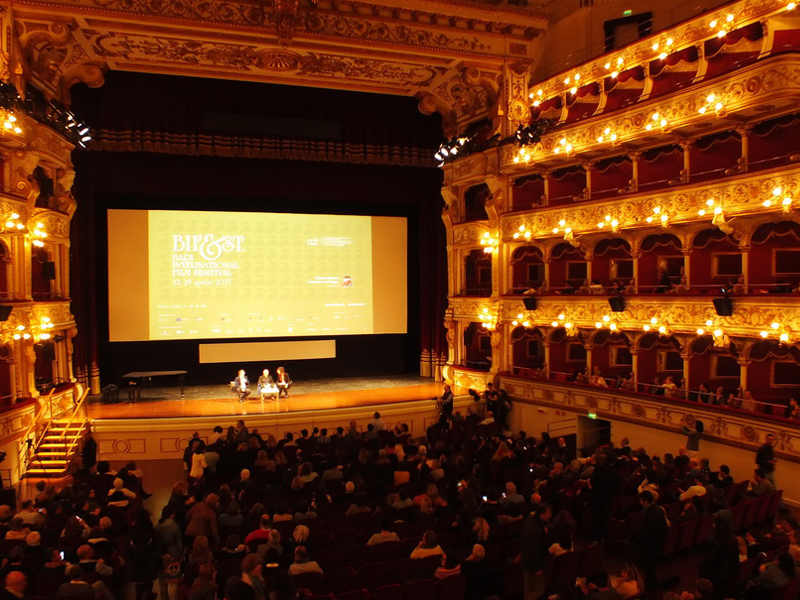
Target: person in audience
x,y
696,489
533,551
670,387
359,505
17,530
201,551
303,563
250,584
748,402
15,584
760,486
262,533
793,410
765,458
479,573
450,567
771,576
597,378
202,518
205,586
628,583
384,535
427,546
119,495
657,388
648,539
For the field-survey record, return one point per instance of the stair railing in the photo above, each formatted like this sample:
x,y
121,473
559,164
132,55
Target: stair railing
x,y
78,408
28,443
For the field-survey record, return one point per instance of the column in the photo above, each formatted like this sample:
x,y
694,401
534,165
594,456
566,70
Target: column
x,y
546,344
635,367
635,157
743,364
588,168
686,146
635,256
745,250
686,355
744,161
12,376
547,271
687,263
546,177
588,258
588,345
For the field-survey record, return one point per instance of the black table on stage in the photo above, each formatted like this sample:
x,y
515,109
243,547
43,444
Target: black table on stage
x,y
139,378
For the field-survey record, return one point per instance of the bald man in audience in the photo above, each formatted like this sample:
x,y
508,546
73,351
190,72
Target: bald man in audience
x,y
15,583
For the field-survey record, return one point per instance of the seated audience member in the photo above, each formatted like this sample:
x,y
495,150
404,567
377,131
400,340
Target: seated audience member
x,y
17,530
200,552
696,489
28,514
597,378
204,587
479,573
76,587
511,496
384,535
771,576
760,486
250,584
450,567
359,505
302,563
15,584
427,546
262,533
233,548
628,583
120,496
670,387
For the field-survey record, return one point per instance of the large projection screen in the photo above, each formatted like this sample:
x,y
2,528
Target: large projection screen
x,y
203,275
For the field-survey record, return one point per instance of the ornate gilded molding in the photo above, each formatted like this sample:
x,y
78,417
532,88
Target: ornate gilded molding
x,y
687,34
740,196
773,82
737,429
751,315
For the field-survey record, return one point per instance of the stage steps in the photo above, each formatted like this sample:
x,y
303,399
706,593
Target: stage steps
x,y
50,458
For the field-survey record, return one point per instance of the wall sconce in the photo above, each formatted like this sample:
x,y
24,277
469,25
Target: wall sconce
x,y
780,332
12,223
10,122
564,147
654,325
608,135
656,120
610,221
606,322
488,319
38,234
711,102
786,202
569,326
489,243
658,216
523,232
521,320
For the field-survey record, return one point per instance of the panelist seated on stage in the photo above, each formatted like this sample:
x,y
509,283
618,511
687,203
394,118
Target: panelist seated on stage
x,y
266,386
284,383
241,385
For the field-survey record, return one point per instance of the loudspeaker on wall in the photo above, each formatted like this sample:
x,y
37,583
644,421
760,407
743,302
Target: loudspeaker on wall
x,y
617,303
723,306
529,302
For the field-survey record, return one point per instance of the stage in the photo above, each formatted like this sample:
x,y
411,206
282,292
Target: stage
x,y
218,400
160,424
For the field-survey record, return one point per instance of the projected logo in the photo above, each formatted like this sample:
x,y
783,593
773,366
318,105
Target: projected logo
x,y
209,246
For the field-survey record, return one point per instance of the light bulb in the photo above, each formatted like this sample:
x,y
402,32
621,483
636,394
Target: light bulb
x,y
614,223
555,229
702,110
561,317
709,323
608,217
710,98
767,203
700,331
717,210
514,323
662,329
606,318
729,18
787,201
764,334
713,24
562,222
709,202
568,325
601,224
777,191
664,218
784,337
554,324
526,323
654,320
646,327
776,325
717,332
598,325
613,327
701,212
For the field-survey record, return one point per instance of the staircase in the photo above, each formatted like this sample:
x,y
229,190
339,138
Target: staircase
x,y
51,456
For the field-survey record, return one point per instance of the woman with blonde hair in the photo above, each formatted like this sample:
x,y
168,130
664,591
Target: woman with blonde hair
x,y
629,583
426,507
300,534
503,451
481,529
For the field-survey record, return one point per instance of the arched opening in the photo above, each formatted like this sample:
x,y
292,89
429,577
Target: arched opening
x,y
477,347
528,351
44,366
659,358
478,274
527,269
715,261
42,274
715,369
611,355
773,375
660,264
775,250
527,192
475,202
612,261
568,268
567,355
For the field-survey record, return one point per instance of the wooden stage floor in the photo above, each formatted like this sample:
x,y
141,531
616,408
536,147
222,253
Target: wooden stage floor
x,y
204,401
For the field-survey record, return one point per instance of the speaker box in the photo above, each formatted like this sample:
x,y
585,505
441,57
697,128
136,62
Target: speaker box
x,y
723,306
49,270
529,302
5,312
617,303
468,337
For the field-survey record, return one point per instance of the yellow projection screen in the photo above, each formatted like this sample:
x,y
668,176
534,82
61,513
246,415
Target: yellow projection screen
x,y
203,275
